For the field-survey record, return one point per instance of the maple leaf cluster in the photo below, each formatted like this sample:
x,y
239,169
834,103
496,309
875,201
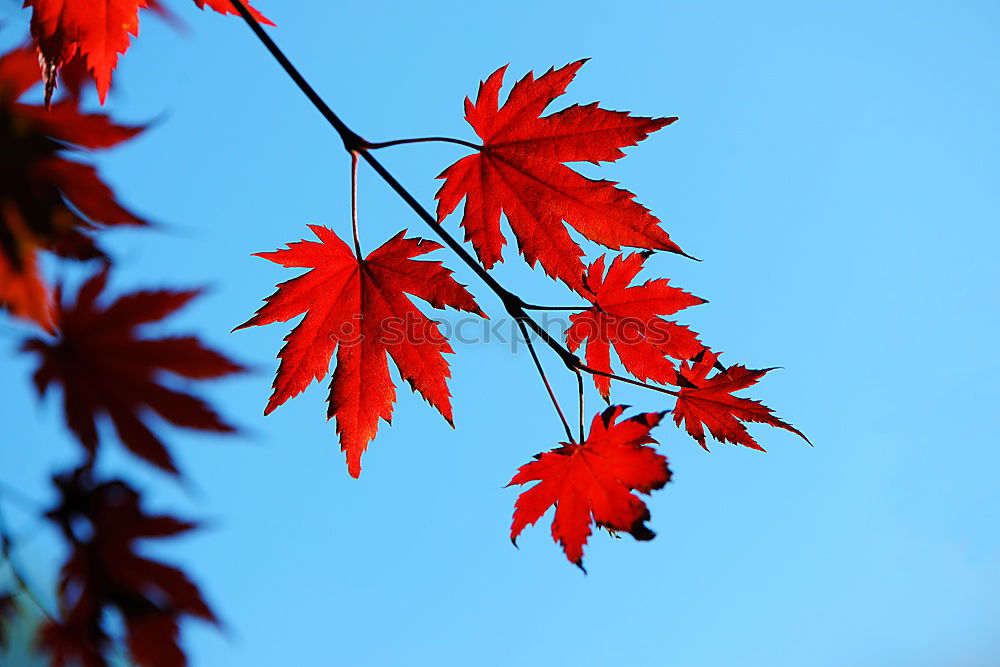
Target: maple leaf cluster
x,y
53,203
520,173
54,206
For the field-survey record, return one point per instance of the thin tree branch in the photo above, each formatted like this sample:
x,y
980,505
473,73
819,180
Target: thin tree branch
x,y
421,140
351,140
545,380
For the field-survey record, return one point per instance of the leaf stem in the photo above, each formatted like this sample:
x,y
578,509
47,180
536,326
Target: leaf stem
x,y
421,140
579,386
354,203
531,306
545,380
619,378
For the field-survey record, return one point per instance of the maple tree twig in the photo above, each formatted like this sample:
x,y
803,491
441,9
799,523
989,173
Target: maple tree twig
x,y
421,140
351,140
545,380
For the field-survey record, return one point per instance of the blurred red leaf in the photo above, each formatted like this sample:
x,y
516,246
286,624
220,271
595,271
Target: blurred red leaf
x,y
103,523
592,482
359,308
96,30
48,201
23,293
520,172
104,366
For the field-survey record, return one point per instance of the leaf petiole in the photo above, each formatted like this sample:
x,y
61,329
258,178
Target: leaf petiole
x,y
421,140
545,381
354,203
531,306
619,378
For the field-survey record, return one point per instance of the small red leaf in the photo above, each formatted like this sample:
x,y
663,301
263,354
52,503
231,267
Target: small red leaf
x,y
628,318
592,482
708,401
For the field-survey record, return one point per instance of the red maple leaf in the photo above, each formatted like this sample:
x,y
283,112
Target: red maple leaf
x,y
592,482
48,201
520,172
708,401
359,309
97,30
23,293
104,572
628,318
104,366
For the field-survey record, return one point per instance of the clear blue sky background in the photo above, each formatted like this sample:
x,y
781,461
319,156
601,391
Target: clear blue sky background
x,y
836,168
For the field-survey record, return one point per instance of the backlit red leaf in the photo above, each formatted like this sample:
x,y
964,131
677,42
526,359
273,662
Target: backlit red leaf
x,y
520,173
106,367
359,309
708,401
628,318
592,482
96,30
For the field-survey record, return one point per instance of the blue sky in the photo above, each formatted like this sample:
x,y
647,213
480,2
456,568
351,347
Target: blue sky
x,y
834,166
